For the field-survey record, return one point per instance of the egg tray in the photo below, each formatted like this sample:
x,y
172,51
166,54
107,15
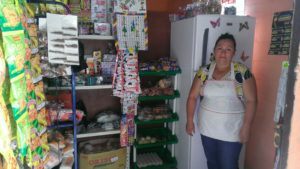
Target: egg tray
x,y
163,137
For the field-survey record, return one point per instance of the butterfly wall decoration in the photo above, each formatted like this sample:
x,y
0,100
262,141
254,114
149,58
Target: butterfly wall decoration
x,y
244,57
244,26
216,23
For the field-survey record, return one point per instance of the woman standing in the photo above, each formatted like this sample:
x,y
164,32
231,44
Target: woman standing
x,y
227,108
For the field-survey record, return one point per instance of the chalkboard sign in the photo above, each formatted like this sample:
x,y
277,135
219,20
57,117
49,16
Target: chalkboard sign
x,y
281,33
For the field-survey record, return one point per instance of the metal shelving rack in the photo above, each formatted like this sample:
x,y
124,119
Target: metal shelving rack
x,y
95,87
95,37
74,119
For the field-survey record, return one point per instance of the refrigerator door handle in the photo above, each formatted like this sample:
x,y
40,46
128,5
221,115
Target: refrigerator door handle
x,y
204,46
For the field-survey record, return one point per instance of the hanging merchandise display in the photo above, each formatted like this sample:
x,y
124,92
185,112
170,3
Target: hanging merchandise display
x,y
130,6
22,96
132,32
132,35
126,85
14,54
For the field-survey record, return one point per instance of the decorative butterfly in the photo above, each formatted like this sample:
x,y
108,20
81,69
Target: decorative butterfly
x,y
244,57
215,23
244,25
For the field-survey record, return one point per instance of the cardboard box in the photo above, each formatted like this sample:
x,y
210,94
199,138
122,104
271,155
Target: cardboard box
x,y
115,159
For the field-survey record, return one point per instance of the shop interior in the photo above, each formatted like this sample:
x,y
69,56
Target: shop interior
x,y
104,83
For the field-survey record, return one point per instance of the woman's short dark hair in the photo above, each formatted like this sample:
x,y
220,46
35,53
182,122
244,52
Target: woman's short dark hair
x,y
226,36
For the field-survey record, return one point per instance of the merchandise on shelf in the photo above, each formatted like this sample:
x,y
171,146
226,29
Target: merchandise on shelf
x,y
163,64
99,11
102,29
197,8
148,159
154,113
59,114
104,121
61,150
105,153
161,88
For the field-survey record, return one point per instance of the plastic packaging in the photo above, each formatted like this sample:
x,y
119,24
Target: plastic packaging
x,y
13,43
5,122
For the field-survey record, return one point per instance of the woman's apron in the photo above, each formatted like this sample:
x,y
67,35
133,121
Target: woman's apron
x,y
221,111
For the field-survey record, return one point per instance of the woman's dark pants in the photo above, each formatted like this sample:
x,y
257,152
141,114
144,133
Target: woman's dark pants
x,y
221,154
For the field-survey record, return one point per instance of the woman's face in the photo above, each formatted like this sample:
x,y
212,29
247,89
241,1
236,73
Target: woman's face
x,y
224,51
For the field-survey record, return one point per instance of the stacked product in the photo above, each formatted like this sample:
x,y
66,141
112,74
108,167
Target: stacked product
x,y
198,7
61,151
95,16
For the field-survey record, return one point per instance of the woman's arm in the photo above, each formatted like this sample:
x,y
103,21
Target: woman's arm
x,y
191,104
249,89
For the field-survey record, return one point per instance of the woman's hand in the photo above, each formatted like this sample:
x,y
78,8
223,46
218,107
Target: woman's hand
x,y
244,133
190,128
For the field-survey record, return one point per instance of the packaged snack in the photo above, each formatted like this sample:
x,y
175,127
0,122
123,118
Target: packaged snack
x,y
5,122
67,162
39,92
52,159
13,44
9,17
124,131
102,29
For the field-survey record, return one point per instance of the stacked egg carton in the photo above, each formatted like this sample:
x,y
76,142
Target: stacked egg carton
x,y
148,159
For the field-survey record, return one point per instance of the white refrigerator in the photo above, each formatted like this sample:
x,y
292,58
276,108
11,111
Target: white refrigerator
x,y
192,42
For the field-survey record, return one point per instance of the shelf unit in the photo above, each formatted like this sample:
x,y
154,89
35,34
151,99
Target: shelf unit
x,y
166,134
96,87
73,89
95,37
100,133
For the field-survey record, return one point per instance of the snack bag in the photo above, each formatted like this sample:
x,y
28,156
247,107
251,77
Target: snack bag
x,y
5,122
14,50
124,131
9,17
39,92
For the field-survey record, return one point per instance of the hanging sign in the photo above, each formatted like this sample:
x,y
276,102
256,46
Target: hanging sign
x,y
62,33
281,33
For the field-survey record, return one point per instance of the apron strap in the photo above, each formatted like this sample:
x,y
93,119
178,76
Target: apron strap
x,y
232,72
211,70
213,66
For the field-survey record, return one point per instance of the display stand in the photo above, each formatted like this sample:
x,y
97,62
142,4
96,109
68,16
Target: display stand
x,y
161,147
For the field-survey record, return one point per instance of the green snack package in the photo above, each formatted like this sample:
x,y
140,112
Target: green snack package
x,y
6,134
14,50
9,17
